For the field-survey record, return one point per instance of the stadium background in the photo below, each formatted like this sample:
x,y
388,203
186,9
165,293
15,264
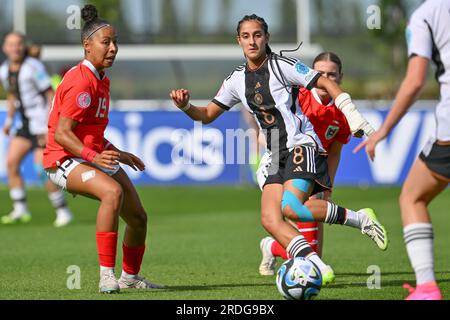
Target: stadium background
x,y
166,44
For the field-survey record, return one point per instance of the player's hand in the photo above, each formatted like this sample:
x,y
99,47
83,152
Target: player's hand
x,y
180,97
7,129
132,161
370,143
108,159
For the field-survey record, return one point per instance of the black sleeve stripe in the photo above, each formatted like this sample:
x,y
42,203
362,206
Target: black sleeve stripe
x,y
240,68
220,104
228,78
285,60
313,82
290,59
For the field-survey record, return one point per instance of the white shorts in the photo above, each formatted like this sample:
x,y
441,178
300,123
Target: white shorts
x,y
59,175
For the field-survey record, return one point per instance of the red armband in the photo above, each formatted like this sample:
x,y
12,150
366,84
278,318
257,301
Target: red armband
x,y
88,154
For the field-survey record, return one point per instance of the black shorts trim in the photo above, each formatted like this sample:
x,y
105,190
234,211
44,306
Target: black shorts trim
x,y
438,160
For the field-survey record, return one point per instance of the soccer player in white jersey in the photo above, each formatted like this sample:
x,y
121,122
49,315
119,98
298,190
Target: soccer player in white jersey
x,y
428,39
29,93
266,86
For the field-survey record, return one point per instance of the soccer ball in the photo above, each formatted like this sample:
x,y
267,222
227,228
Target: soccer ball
x,y
299,279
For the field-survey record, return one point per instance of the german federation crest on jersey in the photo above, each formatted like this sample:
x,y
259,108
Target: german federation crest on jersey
x,y
331,132
84,100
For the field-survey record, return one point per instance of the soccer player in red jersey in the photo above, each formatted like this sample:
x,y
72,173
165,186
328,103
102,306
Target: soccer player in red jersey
x,y
333,131
80,160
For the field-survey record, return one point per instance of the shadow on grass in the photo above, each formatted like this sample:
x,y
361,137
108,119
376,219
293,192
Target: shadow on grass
x,y
384,283
206,287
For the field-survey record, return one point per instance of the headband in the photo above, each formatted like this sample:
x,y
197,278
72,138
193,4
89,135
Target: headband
x,y
101,27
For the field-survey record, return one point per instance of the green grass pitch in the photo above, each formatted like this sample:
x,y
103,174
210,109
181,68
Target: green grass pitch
x,y
203,243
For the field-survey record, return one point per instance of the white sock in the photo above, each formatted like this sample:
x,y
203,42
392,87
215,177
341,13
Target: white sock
x,y
18,197
63,212
353,219
127,275
299,247
57,199
103,269
419,245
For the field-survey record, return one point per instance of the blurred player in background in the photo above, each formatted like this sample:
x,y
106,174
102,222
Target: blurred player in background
x,y
81,161
428,39
333,131
298,168
29,93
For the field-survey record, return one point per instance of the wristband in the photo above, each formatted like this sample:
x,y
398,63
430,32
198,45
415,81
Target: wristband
x,y
88,154
355,119
186,108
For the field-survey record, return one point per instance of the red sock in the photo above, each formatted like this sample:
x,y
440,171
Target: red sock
x,y
132,258
310,230
107,247
278,250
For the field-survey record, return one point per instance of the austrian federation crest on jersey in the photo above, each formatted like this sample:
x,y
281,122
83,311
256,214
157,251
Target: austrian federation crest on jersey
x,y
331,132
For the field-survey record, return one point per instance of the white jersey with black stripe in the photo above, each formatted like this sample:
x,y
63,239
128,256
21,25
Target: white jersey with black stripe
x,y
32,83
428,36
270,94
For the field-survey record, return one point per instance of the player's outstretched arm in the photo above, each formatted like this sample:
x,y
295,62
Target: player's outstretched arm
x,y
343,102
410,88
66,138
208,114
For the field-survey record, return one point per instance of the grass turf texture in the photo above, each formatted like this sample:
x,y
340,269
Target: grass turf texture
x,y
203,243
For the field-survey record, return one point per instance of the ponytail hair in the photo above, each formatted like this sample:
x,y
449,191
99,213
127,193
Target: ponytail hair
x,y
93,23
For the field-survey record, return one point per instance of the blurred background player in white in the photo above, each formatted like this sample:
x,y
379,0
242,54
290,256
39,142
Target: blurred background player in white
x,y
257,142
298,169
333,131
428,39
30,94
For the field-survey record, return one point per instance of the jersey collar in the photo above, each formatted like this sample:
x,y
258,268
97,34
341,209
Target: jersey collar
x,y
91,67
316,96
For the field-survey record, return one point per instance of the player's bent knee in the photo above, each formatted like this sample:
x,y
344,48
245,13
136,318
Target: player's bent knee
x,y
293,208
407,198
141,219
113,194
269,223
136,217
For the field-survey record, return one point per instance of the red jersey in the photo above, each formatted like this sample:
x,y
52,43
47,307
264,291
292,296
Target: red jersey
x,y
83,96
329,122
